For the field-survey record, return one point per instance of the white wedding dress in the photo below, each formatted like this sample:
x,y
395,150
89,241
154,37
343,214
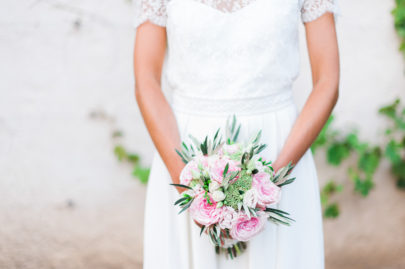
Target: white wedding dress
x,y
237,57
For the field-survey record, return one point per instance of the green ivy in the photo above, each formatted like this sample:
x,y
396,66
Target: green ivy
x,y
395,134
140,172
330,209
340,147
364,157
399,21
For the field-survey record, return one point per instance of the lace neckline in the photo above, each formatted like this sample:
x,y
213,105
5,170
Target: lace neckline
x,y
226,6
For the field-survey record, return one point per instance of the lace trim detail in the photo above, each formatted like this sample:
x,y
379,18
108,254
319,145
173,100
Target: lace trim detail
x,y
313,9
226,6
155,10
150,10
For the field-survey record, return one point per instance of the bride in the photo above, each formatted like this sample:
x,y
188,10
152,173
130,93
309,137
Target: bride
x,y
239,57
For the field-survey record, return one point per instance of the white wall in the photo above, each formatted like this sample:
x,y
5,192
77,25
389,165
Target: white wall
x,y
372,68
61,60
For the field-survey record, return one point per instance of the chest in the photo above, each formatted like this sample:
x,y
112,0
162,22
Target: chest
x,y
246,22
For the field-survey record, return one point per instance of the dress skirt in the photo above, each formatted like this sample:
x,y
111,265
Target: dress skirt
x,y
173,241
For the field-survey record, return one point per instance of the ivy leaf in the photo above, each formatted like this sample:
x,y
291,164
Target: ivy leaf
x,y
369,160
337,152
391,110
133,158
363,186
398,169
401,183
392,151
120,152
331,211
141,173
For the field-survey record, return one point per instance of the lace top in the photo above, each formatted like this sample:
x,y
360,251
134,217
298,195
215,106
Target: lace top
x,y
231,49
155,10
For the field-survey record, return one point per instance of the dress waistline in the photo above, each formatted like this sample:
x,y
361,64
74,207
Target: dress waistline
x,y
239,106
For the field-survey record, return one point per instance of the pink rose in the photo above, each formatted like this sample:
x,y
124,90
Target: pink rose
x,y
245,229
186,175
191,169
267,192
217,167
203,212
228,217
203,160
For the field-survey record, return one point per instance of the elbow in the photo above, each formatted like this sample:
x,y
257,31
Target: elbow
x,y
139,90
146,88
334,91
330,88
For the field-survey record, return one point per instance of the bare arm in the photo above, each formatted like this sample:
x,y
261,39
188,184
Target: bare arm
x,y
149,52
324,59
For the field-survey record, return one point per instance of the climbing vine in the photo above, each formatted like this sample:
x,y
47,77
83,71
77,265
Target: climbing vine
x,y
399,21
394,150
138,171
363,157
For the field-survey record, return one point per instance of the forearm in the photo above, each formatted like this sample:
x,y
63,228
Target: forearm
x,y
161,124
309,123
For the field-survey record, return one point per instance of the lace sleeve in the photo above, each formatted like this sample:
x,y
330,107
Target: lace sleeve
x,y
313,9
150,10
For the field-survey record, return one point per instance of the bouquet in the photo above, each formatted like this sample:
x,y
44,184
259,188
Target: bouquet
x,y
230,190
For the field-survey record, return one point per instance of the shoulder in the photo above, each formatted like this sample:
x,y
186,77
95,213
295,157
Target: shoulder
x,y
150,10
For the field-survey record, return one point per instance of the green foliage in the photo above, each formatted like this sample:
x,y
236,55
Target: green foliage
x,y
399,21
395,133
337,152
366,157
140,172
340,147
330,210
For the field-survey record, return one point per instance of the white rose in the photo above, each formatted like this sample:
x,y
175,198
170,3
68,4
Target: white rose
x,y
213,186
218,196
250,198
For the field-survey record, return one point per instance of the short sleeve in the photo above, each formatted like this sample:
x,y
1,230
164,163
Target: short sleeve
x,y
313,9
150,10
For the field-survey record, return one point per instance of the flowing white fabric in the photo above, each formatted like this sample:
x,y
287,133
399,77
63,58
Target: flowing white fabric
x,y
233,57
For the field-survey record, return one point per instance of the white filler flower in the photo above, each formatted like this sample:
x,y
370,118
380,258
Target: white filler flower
x,y
213,186
250,198
218,196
